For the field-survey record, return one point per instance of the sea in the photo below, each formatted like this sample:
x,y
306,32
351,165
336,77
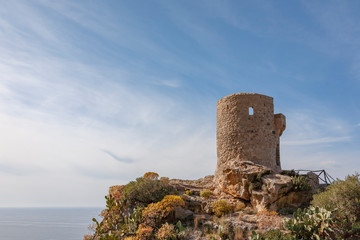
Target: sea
x,y
46,223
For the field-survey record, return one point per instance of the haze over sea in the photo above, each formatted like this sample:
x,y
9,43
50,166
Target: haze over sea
x,y
45,223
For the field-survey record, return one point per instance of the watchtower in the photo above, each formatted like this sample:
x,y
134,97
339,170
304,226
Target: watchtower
x,y
248,130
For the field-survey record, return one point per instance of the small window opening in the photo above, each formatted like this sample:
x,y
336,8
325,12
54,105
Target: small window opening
x,y
251,111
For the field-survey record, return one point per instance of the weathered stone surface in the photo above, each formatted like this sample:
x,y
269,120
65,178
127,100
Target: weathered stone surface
x,y
183,214
293,200
236,177
195,203
245,136
205,183
259,185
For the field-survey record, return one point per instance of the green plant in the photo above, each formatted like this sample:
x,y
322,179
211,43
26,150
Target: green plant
x,y
255,236
188,192
132,222
343,198
273,234
300,183
144,191
276,234
205,194
220,207
311,223
179,226
226,229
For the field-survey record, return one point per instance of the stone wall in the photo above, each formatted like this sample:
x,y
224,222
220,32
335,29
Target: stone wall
x,y
248,130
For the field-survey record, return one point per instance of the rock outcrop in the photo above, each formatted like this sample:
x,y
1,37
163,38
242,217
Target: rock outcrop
x,y
247,182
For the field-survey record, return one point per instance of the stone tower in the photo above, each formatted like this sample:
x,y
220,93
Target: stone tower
x,y
248,130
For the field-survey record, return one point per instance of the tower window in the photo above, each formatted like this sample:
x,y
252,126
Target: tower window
x,y
251,111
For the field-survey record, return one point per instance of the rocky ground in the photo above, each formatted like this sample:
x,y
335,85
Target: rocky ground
x,y
256,194
243,197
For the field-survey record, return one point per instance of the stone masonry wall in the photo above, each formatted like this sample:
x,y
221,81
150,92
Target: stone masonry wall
x,y
247,137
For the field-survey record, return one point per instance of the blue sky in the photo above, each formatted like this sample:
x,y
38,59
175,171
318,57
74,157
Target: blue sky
x,y
95,93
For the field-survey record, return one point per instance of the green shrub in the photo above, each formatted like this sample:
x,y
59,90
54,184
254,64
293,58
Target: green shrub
x,y
188,192
300,183
144,191
271,235
220,207
131,223
311,223
205,194
343,198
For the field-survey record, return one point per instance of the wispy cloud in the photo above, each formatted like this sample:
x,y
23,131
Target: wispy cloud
x,y
117,158
173,83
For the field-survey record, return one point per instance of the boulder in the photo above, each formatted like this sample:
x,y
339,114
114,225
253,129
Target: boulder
x,y
239,178
259,185
183,214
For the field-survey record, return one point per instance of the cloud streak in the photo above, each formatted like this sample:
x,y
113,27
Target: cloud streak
x,y
117,158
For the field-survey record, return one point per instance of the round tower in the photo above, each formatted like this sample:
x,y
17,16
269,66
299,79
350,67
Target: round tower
x,y
248,130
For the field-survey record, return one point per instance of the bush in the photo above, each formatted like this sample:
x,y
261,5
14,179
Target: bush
x,y
144,232
311,223
301,183
116,192
205,194
220,207
155,212
151,175
343,198
144,191
131,223
166,232
165,180
130,238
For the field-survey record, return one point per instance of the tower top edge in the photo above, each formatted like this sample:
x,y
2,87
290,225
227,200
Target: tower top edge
x,y
245,95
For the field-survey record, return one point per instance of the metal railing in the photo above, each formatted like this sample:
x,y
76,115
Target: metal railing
x,y
321,174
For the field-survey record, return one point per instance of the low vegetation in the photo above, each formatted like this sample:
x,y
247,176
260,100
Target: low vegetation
x,y
205,194
149,209
343,198
221,207
301,183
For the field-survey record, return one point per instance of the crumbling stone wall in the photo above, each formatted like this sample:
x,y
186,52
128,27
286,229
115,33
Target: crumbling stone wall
x,y
248,130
